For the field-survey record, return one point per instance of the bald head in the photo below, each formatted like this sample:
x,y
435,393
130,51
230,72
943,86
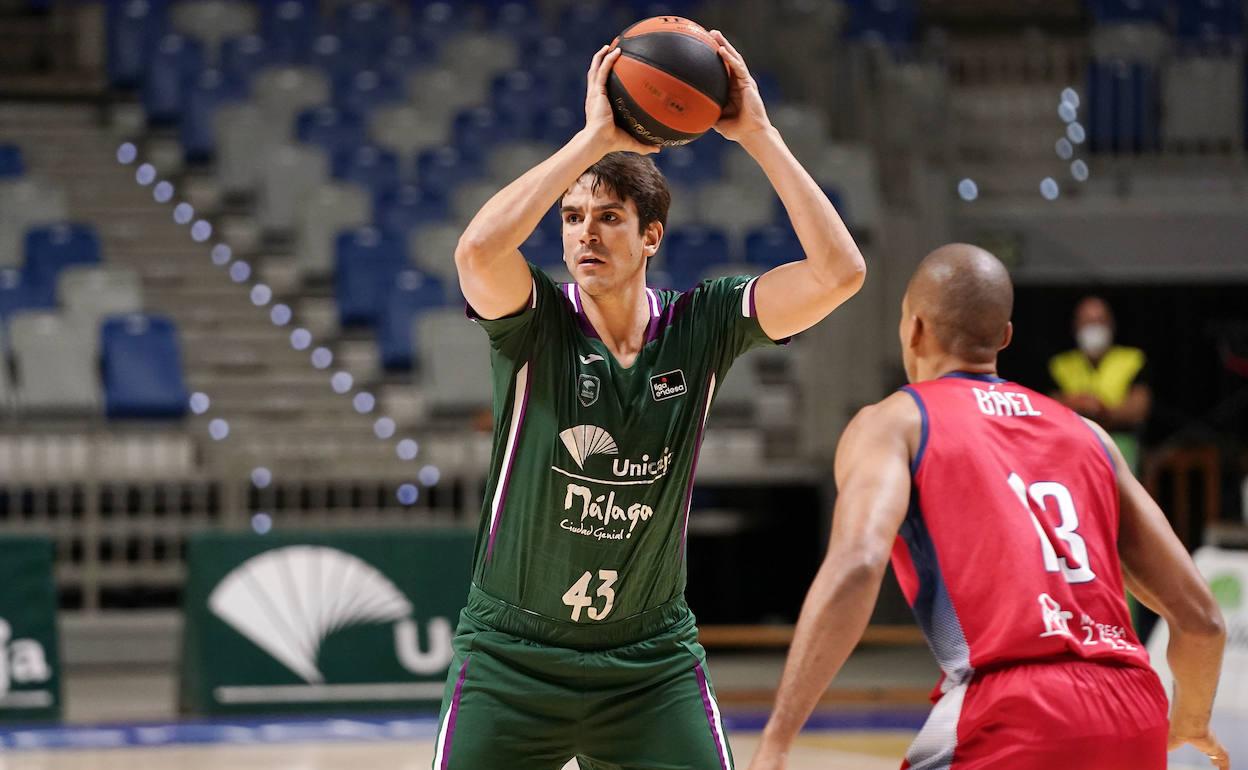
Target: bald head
x,y
964,295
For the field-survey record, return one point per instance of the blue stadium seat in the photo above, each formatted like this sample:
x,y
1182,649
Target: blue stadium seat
x,y
365,25
772,245
543,248
242,57
586,27
365,90
404,54
330,128
768,86
169,73
1123,107
434,22
686,166
691,250
549,59
520,20
520,99
894,22
367,262
289,26
478,129
558,126
412,293
50,248
369,166
552,222
133,27
401,210
212,89
642,9
1111,11
1210,21
11,162
142,367
334,56
441,169
16,295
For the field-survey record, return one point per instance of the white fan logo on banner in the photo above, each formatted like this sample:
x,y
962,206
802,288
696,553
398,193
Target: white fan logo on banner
x,y
289,600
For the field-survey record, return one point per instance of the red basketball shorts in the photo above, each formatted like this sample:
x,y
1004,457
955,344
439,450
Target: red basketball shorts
x,y
1042,716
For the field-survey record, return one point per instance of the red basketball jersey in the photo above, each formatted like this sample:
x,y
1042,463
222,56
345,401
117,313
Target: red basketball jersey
x,y
1009,551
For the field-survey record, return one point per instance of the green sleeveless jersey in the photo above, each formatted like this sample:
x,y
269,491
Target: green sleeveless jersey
x,y
587,508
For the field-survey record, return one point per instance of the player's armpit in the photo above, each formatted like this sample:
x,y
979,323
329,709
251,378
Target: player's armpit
x,y
494,287
792,298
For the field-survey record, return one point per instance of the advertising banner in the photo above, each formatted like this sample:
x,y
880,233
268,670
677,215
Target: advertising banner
x,y
30,683
343,622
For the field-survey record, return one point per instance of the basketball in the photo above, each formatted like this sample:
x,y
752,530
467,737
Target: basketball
x,y
669,85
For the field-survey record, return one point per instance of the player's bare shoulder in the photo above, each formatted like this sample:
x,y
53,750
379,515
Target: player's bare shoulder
x,y
894,418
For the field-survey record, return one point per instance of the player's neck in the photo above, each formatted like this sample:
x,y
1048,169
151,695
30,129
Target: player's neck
x,y
620,318
935,369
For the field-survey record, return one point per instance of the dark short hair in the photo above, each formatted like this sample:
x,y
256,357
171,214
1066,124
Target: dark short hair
x,y
634,177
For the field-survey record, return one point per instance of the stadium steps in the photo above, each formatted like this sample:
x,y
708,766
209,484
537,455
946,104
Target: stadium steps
x,y
230,348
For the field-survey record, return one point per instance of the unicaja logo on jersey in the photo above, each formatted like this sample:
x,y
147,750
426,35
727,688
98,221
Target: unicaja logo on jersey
x,y
585,441
607,508
289,600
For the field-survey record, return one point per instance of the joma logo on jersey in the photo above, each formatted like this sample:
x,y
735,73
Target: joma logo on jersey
x,y
668,385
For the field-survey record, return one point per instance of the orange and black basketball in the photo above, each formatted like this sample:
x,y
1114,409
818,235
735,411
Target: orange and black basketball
x,y
669,84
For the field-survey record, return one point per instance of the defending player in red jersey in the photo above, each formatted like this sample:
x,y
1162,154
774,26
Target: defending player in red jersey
x,y
1013,525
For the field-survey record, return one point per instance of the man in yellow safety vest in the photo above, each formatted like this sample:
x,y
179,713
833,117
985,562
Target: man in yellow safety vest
x,y
1103,381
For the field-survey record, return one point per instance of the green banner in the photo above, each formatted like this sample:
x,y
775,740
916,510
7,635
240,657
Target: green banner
x,y
30,683
344,621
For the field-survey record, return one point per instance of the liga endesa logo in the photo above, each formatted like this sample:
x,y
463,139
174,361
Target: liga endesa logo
x,y
668,385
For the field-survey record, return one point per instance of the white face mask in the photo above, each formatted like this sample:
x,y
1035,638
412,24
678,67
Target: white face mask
x,y
1094,339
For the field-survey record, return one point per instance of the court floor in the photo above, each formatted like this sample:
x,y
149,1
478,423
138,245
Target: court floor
x,y
868,750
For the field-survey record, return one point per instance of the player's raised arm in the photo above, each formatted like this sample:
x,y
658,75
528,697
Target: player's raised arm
x,y
873,494
492,272
794,297
1159,572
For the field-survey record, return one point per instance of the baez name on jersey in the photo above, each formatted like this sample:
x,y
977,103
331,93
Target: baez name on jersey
x,y
997,403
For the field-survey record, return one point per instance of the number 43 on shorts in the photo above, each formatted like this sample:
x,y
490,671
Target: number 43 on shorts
x,y
577,597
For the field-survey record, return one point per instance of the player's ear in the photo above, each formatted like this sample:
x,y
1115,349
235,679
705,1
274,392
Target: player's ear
x,y
651,238
917,330
1008,337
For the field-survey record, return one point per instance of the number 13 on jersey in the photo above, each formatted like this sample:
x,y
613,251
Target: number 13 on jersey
x,y
577,597
1041,492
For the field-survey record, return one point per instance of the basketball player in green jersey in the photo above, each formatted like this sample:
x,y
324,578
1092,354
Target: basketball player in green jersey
x,y
576,640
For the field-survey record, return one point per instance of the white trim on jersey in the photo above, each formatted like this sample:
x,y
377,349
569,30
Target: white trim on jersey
x,y
654,302
517,416
934,746
706,412
747,297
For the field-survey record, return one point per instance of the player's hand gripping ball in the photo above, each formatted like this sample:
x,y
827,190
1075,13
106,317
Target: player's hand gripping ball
x,y
670,84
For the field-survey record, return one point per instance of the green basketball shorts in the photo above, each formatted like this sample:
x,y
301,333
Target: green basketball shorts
x,y
515,704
